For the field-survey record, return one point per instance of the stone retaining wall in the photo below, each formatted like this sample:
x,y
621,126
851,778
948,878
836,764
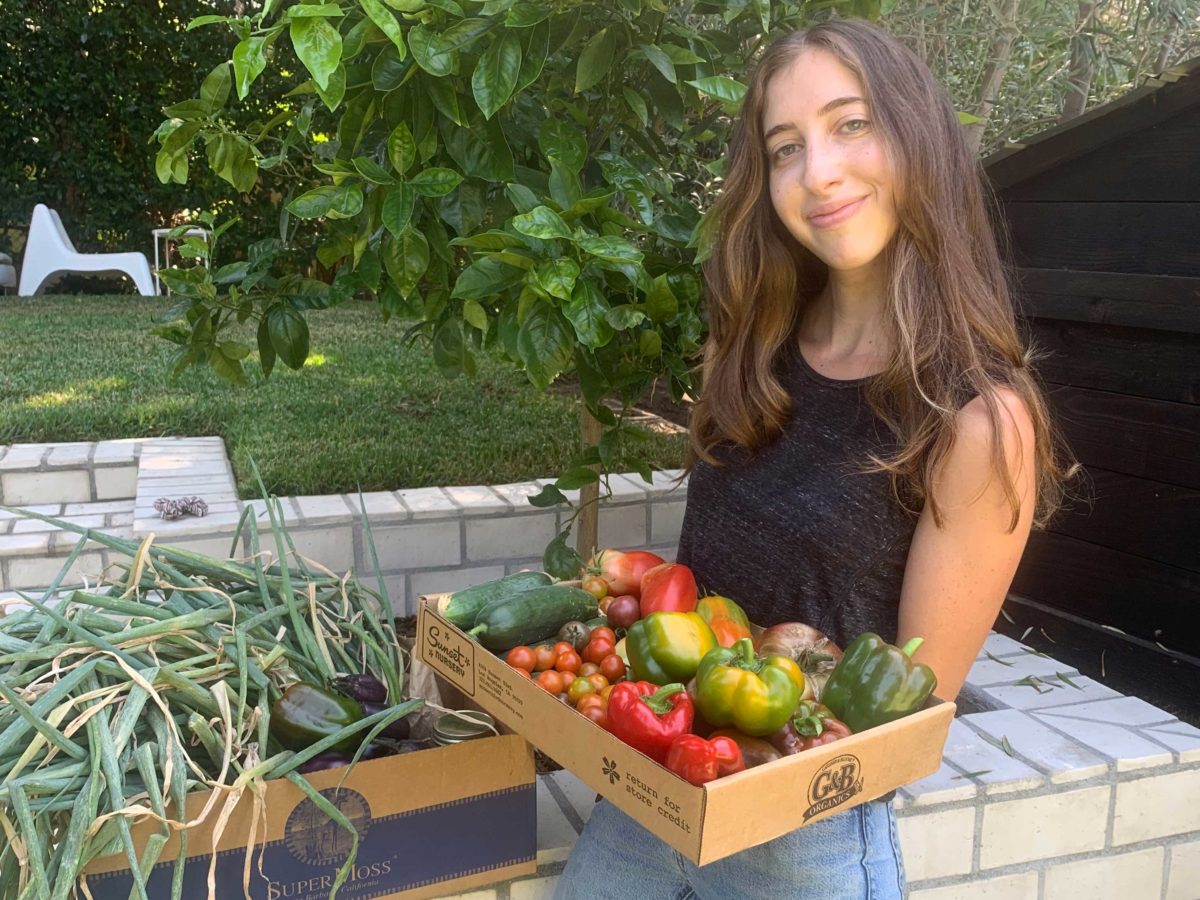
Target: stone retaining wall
x,y
1053,786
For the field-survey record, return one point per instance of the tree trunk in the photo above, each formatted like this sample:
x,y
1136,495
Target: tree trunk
x,y
589,495
1082,67
993,76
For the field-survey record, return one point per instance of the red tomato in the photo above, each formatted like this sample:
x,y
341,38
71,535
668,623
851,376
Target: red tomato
x,y
670,587
603,633
596,586
623,571
596,650
612,667
568,661
598,681
524,673
598,714
563,647
589,668
521,658
552,681
544,657
624,611
588,700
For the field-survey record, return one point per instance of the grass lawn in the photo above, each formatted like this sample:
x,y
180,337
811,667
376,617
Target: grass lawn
x,y
364,411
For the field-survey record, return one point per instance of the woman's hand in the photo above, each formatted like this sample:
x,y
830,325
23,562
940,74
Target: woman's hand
x,y
959,573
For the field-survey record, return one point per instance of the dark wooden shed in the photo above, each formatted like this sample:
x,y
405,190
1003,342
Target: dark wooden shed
x,y
1104,218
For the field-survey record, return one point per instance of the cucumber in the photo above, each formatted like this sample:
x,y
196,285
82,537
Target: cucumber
x,y
461,608
530,616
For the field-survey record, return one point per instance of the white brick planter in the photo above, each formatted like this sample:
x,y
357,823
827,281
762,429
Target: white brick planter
x,y
1053,786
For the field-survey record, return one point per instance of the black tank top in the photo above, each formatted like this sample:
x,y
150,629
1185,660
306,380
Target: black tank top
x,y
796,531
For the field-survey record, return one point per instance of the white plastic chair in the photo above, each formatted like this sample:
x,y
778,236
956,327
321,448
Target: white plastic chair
x,y
49,251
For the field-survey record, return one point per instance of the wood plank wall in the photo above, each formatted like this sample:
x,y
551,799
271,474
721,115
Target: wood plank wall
x,y
1107,249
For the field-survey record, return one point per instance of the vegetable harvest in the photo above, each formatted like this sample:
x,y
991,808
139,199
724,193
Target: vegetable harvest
x,y
185,673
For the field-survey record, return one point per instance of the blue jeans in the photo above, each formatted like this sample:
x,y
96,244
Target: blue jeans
x,y
854,855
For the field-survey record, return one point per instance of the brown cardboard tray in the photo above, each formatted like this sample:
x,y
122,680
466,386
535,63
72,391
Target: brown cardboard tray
x,y
703,823
430,823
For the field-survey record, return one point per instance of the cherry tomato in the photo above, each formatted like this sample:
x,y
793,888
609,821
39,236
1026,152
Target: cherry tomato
x,y
612,667
604,694
521,658
589,668
589,700
563,647
596,586
605,603
596,650
552,681
598,681
579,689
544,657
568,661
598,714
603,633
524,673
624,611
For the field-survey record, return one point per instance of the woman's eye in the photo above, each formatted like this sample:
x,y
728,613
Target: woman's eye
x,y
863,122
784,151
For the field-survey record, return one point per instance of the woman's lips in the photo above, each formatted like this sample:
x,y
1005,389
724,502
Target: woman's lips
x,y
837,217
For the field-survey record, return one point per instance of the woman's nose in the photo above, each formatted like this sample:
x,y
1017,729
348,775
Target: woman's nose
x,y
823,165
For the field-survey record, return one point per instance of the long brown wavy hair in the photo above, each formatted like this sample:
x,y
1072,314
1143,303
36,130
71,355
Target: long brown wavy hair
x,y
949,309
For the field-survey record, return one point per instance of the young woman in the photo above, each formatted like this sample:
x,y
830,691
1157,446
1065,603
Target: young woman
x,y
871,448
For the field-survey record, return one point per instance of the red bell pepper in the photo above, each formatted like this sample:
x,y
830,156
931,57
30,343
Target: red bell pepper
x,y
670,587
648,717
699,761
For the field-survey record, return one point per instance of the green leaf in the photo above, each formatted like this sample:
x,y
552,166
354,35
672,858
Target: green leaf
x,y
562,141
266,350
488,240
234,349
586,311
435,182
320,10
681,56
431,52
402,149
560,559
526,15
289,335
398,208
206,20
564,185
547,497
485,277
661,304
214,90
660,61
232,158
464,208
475,315
521,197
372,171
347,200
450,353
318,44
543,223
966,118
545,342
537,48
313,204
388,71
650,343
226,367
722,87
495,75
333,92
406,258
625,316
612,249
188,109
635,102
445,98
595,60
249,61
557,277
385,22
575,478
480,150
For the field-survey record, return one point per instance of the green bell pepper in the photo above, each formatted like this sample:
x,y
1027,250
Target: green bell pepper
x,y
755,695
307,713
874,683
666,647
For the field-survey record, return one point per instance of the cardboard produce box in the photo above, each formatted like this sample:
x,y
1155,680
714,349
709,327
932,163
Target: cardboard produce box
x,y
430,823
703,823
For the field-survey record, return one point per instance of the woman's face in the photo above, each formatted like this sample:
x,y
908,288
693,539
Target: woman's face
x,y
830,177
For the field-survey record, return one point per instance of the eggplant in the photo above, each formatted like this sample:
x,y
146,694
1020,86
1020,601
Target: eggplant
x,y
396,731
363,688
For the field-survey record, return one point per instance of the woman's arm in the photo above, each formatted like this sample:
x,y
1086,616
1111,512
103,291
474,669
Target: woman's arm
x,y
957,575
